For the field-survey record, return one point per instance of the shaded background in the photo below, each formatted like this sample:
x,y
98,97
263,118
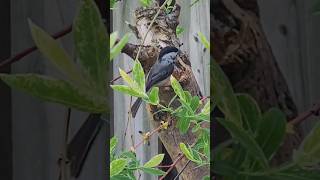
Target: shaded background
x,y
32,130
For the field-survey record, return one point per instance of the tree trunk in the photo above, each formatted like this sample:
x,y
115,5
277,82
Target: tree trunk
x,y
162,34
242,50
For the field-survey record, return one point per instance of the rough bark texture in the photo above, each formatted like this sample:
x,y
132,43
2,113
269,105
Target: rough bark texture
x,y
242,50
162,34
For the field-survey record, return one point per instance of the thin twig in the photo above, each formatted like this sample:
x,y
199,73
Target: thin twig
x,y
149,135
27,51
180,156
314,110
177,176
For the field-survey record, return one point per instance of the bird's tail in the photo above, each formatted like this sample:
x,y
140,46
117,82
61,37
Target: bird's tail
x,y
135,107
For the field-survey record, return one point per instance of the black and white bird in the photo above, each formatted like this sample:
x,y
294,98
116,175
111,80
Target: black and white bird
x,y
159,72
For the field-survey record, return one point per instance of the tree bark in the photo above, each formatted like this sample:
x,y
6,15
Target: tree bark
x,y
162,34
242,50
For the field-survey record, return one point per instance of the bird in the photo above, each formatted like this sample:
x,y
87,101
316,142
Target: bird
x,y
159,72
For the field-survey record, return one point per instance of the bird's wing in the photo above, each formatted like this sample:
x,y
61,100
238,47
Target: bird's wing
x,y
158,73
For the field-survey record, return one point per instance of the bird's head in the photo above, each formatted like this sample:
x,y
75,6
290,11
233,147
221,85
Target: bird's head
x,y
169,53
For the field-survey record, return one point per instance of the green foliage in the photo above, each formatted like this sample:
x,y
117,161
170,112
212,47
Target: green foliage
x,y
117,166
145,3
152,171
309,151
58,91
179,30
52,50
85,87
112,3
187,112
136,85
250,112
91,42
115,49
271,131
224,96
125,164
155,161
204,40
256,137
187,152
247,141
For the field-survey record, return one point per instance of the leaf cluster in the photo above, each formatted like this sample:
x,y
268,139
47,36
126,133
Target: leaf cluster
x,y
124,165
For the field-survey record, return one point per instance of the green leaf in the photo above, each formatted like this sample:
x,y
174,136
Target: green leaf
x,y
194,104
52,50
246,140
152,171
179,30
309,151
250,112
117,166
116,50
223,95
128,90
154,96
188,97
145,3
177,88
113,38
206,178
112,3
186,152
204,40
91,44
155,161
271,131
169,2
126,78
57,91
138,75
183,124
113,144
206,108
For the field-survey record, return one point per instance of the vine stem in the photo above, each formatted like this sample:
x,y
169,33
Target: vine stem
x,y
314,110
180,156
149,135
